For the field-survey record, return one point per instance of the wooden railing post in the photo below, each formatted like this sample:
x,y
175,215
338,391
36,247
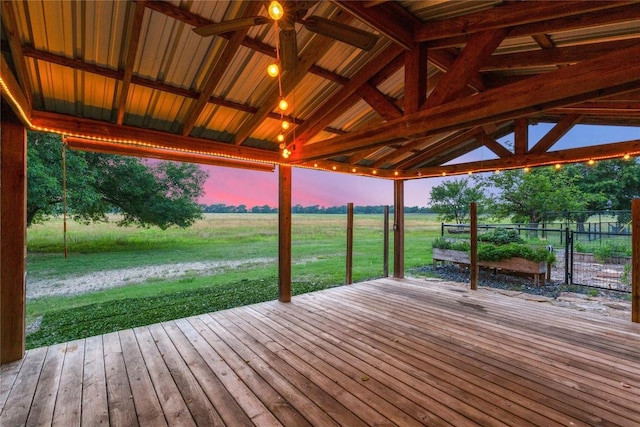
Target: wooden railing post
x,y
635,260
284,233
473,216
13,240
385,244
398,230
349,276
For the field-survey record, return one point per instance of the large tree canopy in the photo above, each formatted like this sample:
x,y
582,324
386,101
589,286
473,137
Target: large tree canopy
x,y
159,194
534,195
452,199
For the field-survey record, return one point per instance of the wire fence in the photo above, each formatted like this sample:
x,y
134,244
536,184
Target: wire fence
x,y
594,253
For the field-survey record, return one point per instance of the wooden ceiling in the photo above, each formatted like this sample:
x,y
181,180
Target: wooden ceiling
x,y
444,79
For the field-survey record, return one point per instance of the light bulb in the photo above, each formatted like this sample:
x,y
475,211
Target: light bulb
x,y
280,138
558,166
283,105
285,125
275,10
273,70
626,157
592,162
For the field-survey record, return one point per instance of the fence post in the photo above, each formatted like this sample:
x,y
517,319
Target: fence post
x,y
385,256
635,260
349,278
568,260
442,229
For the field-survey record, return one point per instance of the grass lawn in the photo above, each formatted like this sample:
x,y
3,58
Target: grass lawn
x,y
318,251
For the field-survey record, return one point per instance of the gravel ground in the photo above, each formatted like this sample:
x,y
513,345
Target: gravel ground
x,y
581,298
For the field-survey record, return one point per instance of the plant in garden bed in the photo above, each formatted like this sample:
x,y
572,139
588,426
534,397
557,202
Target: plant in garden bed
x,y
498,245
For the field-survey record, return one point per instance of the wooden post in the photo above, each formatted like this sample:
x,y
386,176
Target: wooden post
x,y
635,260
385,244
473,216
13,240
398,229
349,278
284,233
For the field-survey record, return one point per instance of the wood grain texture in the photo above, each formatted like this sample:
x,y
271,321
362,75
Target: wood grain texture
x,y
407,352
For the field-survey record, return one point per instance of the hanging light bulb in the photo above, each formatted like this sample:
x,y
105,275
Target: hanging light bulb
x,y
591,162
280,138
276,10
283,105
285,125
273,70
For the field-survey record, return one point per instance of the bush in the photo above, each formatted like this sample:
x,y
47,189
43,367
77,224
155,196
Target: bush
x,y
610,249
489,252
454,245
501,236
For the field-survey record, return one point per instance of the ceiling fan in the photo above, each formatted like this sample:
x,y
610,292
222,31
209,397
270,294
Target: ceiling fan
x,y
289,13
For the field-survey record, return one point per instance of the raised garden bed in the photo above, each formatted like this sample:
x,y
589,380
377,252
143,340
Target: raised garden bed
x,y
537,269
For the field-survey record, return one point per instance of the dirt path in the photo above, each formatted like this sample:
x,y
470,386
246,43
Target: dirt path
x,y
127,276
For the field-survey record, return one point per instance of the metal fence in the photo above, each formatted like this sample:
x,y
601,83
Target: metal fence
x,y
591,257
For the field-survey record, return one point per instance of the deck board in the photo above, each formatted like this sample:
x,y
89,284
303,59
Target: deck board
x,y
385,352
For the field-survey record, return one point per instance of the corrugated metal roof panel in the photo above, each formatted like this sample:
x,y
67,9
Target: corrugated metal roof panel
x,y
429,10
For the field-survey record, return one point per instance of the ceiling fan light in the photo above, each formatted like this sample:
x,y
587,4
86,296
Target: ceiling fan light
x,y
283,104
276,11
273,70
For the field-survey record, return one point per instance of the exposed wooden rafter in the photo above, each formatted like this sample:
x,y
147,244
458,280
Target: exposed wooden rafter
x,y
134,29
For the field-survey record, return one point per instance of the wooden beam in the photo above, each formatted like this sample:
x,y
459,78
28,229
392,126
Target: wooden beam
x,y
620,12
493,145
14,94
415,78
558,56
604,151
510,14
557,132
13,239
92,128
134,29
9,27
379,102
521,136
635,261
326,113
466,66
284,233
164,154
439,144
444,60
389,18
398,229
216,74
609,74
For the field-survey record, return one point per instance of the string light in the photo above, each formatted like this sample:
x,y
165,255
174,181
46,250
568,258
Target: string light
x,y
591,162
283,104
273,70
626,157
558,166
285,124
280,138
276,11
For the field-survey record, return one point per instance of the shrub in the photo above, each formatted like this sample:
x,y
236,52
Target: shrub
x,y
489,252
455,245
610,249
501,236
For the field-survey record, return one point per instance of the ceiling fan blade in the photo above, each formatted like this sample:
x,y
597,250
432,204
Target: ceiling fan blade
x,y
229,26
288,49
350,35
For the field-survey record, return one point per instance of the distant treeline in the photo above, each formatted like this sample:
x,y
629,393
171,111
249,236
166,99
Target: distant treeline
x,y
316,209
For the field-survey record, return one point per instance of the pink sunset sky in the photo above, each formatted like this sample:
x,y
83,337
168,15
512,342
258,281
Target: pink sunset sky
x,y
310,187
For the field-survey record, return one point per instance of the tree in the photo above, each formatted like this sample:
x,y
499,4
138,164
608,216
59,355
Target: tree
x,y
541,193
452,199
147,194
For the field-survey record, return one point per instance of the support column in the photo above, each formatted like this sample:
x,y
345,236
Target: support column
x,y
473,216
284,233
13,240
398,229
635,260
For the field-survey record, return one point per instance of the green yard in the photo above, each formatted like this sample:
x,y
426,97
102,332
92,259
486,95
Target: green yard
x,y
224,260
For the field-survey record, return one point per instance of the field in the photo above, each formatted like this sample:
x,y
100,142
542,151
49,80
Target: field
x,y
116,278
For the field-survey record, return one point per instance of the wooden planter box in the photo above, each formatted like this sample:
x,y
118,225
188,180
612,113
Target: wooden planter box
x,y
520,265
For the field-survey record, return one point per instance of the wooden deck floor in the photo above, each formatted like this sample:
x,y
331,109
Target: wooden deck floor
x,y
383,352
